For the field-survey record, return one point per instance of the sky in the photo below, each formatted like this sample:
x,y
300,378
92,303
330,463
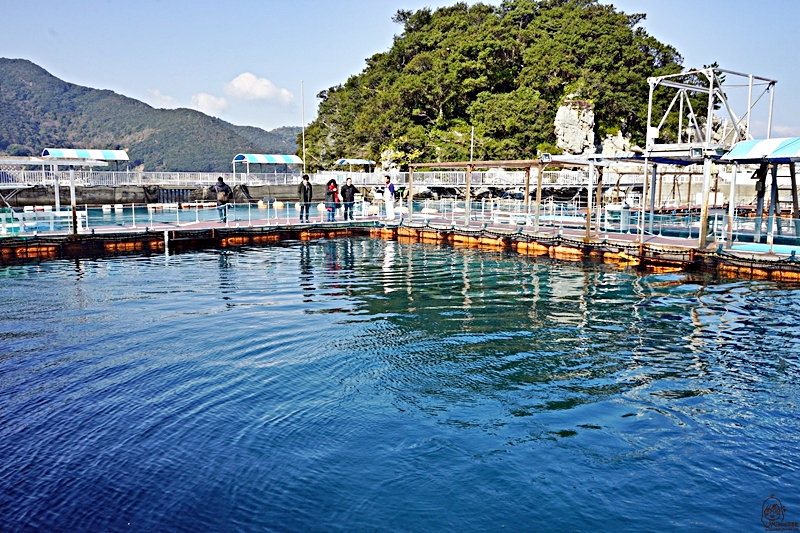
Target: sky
x,y
262,63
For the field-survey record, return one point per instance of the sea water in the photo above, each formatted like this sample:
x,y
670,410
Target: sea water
x,y
363,385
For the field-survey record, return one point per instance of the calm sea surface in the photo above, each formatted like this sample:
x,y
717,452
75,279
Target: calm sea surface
x,y
359,385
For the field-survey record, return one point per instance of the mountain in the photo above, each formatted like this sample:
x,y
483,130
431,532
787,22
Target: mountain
x,y
38,110
503,70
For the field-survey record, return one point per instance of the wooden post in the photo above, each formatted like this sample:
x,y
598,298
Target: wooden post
x,y
539,172
703,237
527,190
795,210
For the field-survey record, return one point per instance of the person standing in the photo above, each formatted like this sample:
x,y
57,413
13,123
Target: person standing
x,y
348,193
388,198
304,191
331,200
224,194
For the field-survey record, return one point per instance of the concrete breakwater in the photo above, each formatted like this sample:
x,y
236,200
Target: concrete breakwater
x,y
144,194
624,254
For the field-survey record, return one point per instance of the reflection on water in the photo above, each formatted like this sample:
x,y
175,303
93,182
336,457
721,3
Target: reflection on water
x,y
366,385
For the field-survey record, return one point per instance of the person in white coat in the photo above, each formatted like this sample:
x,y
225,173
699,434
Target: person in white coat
x,y
388,198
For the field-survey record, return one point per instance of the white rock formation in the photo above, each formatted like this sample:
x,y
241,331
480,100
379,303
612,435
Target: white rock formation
x,y
616,144
574,126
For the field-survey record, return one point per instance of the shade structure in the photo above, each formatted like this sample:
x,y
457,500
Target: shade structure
x,y
79,153
780,150
355,162
273,159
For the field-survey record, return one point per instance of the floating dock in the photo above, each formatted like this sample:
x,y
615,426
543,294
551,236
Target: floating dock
x,y
654,253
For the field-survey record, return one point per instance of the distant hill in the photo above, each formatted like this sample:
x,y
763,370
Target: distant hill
x,y
38,110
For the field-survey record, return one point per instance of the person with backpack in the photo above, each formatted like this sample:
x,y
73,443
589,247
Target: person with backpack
x,y
224,194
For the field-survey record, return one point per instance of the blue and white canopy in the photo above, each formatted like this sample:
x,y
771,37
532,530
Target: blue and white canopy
x,y
78,153
355,162
268,159
781,150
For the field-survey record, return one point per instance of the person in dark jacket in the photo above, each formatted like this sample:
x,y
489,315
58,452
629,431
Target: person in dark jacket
x,y
224,195
348,193
304,191
331,200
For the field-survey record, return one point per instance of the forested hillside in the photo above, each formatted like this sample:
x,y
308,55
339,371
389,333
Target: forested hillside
x,y
38,110
504,70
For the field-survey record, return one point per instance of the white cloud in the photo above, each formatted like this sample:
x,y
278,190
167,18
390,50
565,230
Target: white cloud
x,y
162,100
758,129
247,86
786,131
209,104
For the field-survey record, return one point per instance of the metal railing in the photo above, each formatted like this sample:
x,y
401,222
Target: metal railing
x,y
744,231
451,179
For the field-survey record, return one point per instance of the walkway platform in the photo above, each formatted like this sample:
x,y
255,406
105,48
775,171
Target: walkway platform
x,y
656,253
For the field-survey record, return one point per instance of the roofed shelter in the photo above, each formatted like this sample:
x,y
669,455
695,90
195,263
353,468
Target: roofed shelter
x,y
766,153
355,161
263,159
73,157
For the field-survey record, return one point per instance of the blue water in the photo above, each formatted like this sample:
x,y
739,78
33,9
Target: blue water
x,y
359,385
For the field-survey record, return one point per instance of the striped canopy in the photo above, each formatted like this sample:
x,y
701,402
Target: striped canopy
x,y
268,159
355,162
784,150
98,155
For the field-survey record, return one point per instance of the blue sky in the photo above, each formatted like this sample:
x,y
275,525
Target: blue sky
x,y
244,61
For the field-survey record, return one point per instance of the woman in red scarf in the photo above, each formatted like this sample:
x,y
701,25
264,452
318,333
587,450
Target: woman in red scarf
x,y
331,200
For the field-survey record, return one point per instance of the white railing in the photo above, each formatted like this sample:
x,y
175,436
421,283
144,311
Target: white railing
x,y
446,179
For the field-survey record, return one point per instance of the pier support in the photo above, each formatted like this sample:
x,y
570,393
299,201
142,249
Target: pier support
x,y
527,190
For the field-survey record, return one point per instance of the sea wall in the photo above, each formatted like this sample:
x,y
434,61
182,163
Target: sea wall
x,y
128,194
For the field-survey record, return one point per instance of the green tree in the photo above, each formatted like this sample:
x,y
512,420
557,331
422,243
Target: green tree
x,y
504,70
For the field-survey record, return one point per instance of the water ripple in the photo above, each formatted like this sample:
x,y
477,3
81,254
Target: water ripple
x,y
364,385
